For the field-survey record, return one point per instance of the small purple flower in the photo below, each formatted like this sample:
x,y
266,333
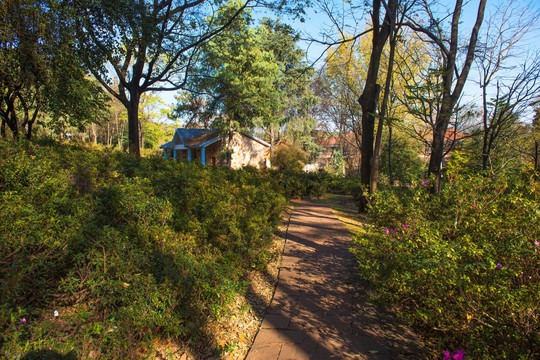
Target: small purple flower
x,y
536,242
104,155
394,231
405,226
425,183
37,145
387,230
23,321
473,205
460,355
499,265
447,355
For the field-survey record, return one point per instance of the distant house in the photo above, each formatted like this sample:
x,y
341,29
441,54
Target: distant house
x,y
206,146
329,144
452,138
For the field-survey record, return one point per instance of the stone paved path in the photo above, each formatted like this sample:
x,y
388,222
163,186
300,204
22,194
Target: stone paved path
x,y
320,310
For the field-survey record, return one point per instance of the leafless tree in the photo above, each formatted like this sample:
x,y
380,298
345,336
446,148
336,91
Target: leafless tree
x,y
507,89
453,75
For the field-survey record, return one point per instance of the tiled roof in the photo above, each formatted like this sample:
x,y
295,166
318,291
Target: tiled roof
x,y
194,139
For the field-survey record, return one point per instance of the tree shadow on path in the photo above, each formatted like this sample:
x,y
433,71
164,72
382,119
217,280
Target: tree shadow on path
x,y
320,308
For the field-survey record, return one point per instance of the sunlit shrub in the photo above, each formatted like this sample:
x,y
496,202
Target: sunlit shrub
x,y
463,267
125,250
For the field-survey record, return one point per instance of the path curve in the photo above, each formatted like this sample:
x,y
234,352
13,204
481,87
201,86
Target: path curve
x,y
320,308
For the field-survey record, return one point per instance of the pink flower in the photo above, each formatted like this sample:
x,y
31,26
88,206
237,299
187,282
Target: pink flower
x,y
499,265
104,155
536,243
460,355
405,226
473,205
386,231
23,321
394,231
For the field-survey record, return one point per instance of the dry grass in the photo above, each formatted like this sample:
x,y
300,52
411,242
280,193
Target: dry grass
x,y
346,210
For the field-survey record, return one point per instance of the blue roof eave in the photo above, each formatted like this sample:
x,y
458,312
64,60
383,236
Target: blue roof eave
x,y
167,145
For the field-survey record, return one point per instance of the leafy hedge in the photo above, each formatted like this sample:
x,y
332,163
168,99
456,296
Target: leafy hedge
x,y
462,268
125,250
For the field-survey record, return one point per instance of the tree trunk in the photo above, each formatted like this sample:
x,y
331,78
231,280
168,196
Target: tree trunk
x,y
133,123
29,130
536,162
272,141
369,98
11,118
3,129
390,155
13,125
376,159
485,147
450,98
437,146
94,134
108,133
374,178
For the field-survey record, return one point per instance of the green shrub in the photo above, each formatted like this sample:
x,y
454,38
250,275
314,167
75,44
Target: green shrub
x,y
462,268
289,157
296,184
126,250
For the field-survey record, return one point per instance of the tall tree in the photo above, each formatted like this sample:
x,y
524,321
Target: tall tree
x,y
149,46
453,79
293,81
370,96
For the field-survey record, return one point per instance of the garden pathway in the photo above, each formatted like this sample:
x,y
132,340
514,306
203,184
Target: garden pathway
x,y
320,308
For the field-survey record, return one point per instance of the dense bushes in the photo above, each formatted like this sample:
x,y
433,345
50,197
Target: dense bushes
x,y
125,250
463,268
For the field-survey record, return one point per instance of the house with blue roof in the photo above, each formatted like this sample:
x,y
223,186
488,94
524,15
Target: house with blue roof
x,y
209,146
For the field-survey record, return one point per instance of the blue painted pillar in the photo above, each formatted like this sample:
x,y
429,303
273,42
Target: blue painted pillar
x,y
165,153
203,156
174,153
188,154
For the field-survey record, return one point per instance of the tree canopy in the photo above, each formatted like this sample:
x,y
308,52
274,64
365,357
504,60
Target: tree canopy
x,y
40,71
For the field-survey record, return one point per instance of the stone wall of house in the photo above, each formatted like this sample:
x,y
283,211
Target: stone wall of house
x,y
212,154
246,151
